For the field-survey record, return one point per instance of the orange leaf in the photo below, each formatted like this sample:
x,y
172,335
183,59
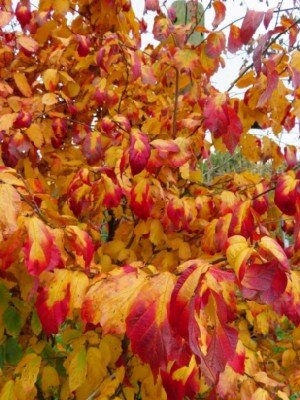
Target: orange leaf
x,y
28,43
41,252
22,84
139,151
215,44
220,10
108,301
147,325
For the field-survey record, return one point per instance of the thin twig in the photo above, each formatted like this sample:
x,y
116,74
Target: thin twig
x,y
33,204
241,18
197,21
264,51
262,193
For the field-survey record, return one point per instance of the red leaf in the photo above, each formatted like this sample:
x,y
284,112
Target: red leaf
x,y
250,24
40,251
261,202
222,347
264,281
242,222
257,53
231,137
238,363
234,40
290,155
182,319
52,315
286,193
147,325
141,200
139,151
79,193
23,13
81,243
151,5
268,17
215,117
109,299
10,250
272,82
220,10
113,192
84,44
180,313
92,148
215,44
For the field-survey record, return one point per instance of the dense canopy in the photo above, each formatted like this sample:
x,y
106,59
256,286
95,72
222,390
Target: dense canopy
x,y
132,265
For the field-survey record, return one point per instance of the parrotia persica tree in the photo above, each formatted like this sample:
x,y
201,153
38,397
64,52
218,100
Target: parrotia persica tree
x,y
124,274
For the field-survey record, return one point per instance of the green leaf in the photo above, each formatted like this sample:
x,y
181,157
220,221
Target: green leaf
x,y
185,14
12,321
295,396
36,325
2,356
13,351
4,296
280,333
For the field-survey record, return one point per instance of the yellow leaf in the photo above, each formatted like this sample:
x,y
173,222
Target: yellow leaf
x,y
28,43
30,372
282,395
296,110
108,300
152,389
238,252
65,77
61,6
109,385
49,99
50,79
263,323
77,368
79,283
288,358
250,147
34,133
157,234
295,60
22,84
6,121
97,363
111,349
9,208
183,373
262,377
50,378
184,251
7,392
260,394
294,379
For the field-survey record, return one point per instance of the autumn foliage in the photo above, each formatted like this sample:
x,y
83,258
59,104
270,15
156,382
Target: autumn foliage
x,y
124,273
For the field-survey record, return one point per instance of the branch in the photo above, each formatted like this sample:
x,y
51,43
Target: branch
x,y
241,18
262,193
264,51
33,204
196,23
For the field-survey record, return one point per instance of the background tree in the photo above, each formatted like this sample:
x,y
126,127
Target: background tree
x,y
125,273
